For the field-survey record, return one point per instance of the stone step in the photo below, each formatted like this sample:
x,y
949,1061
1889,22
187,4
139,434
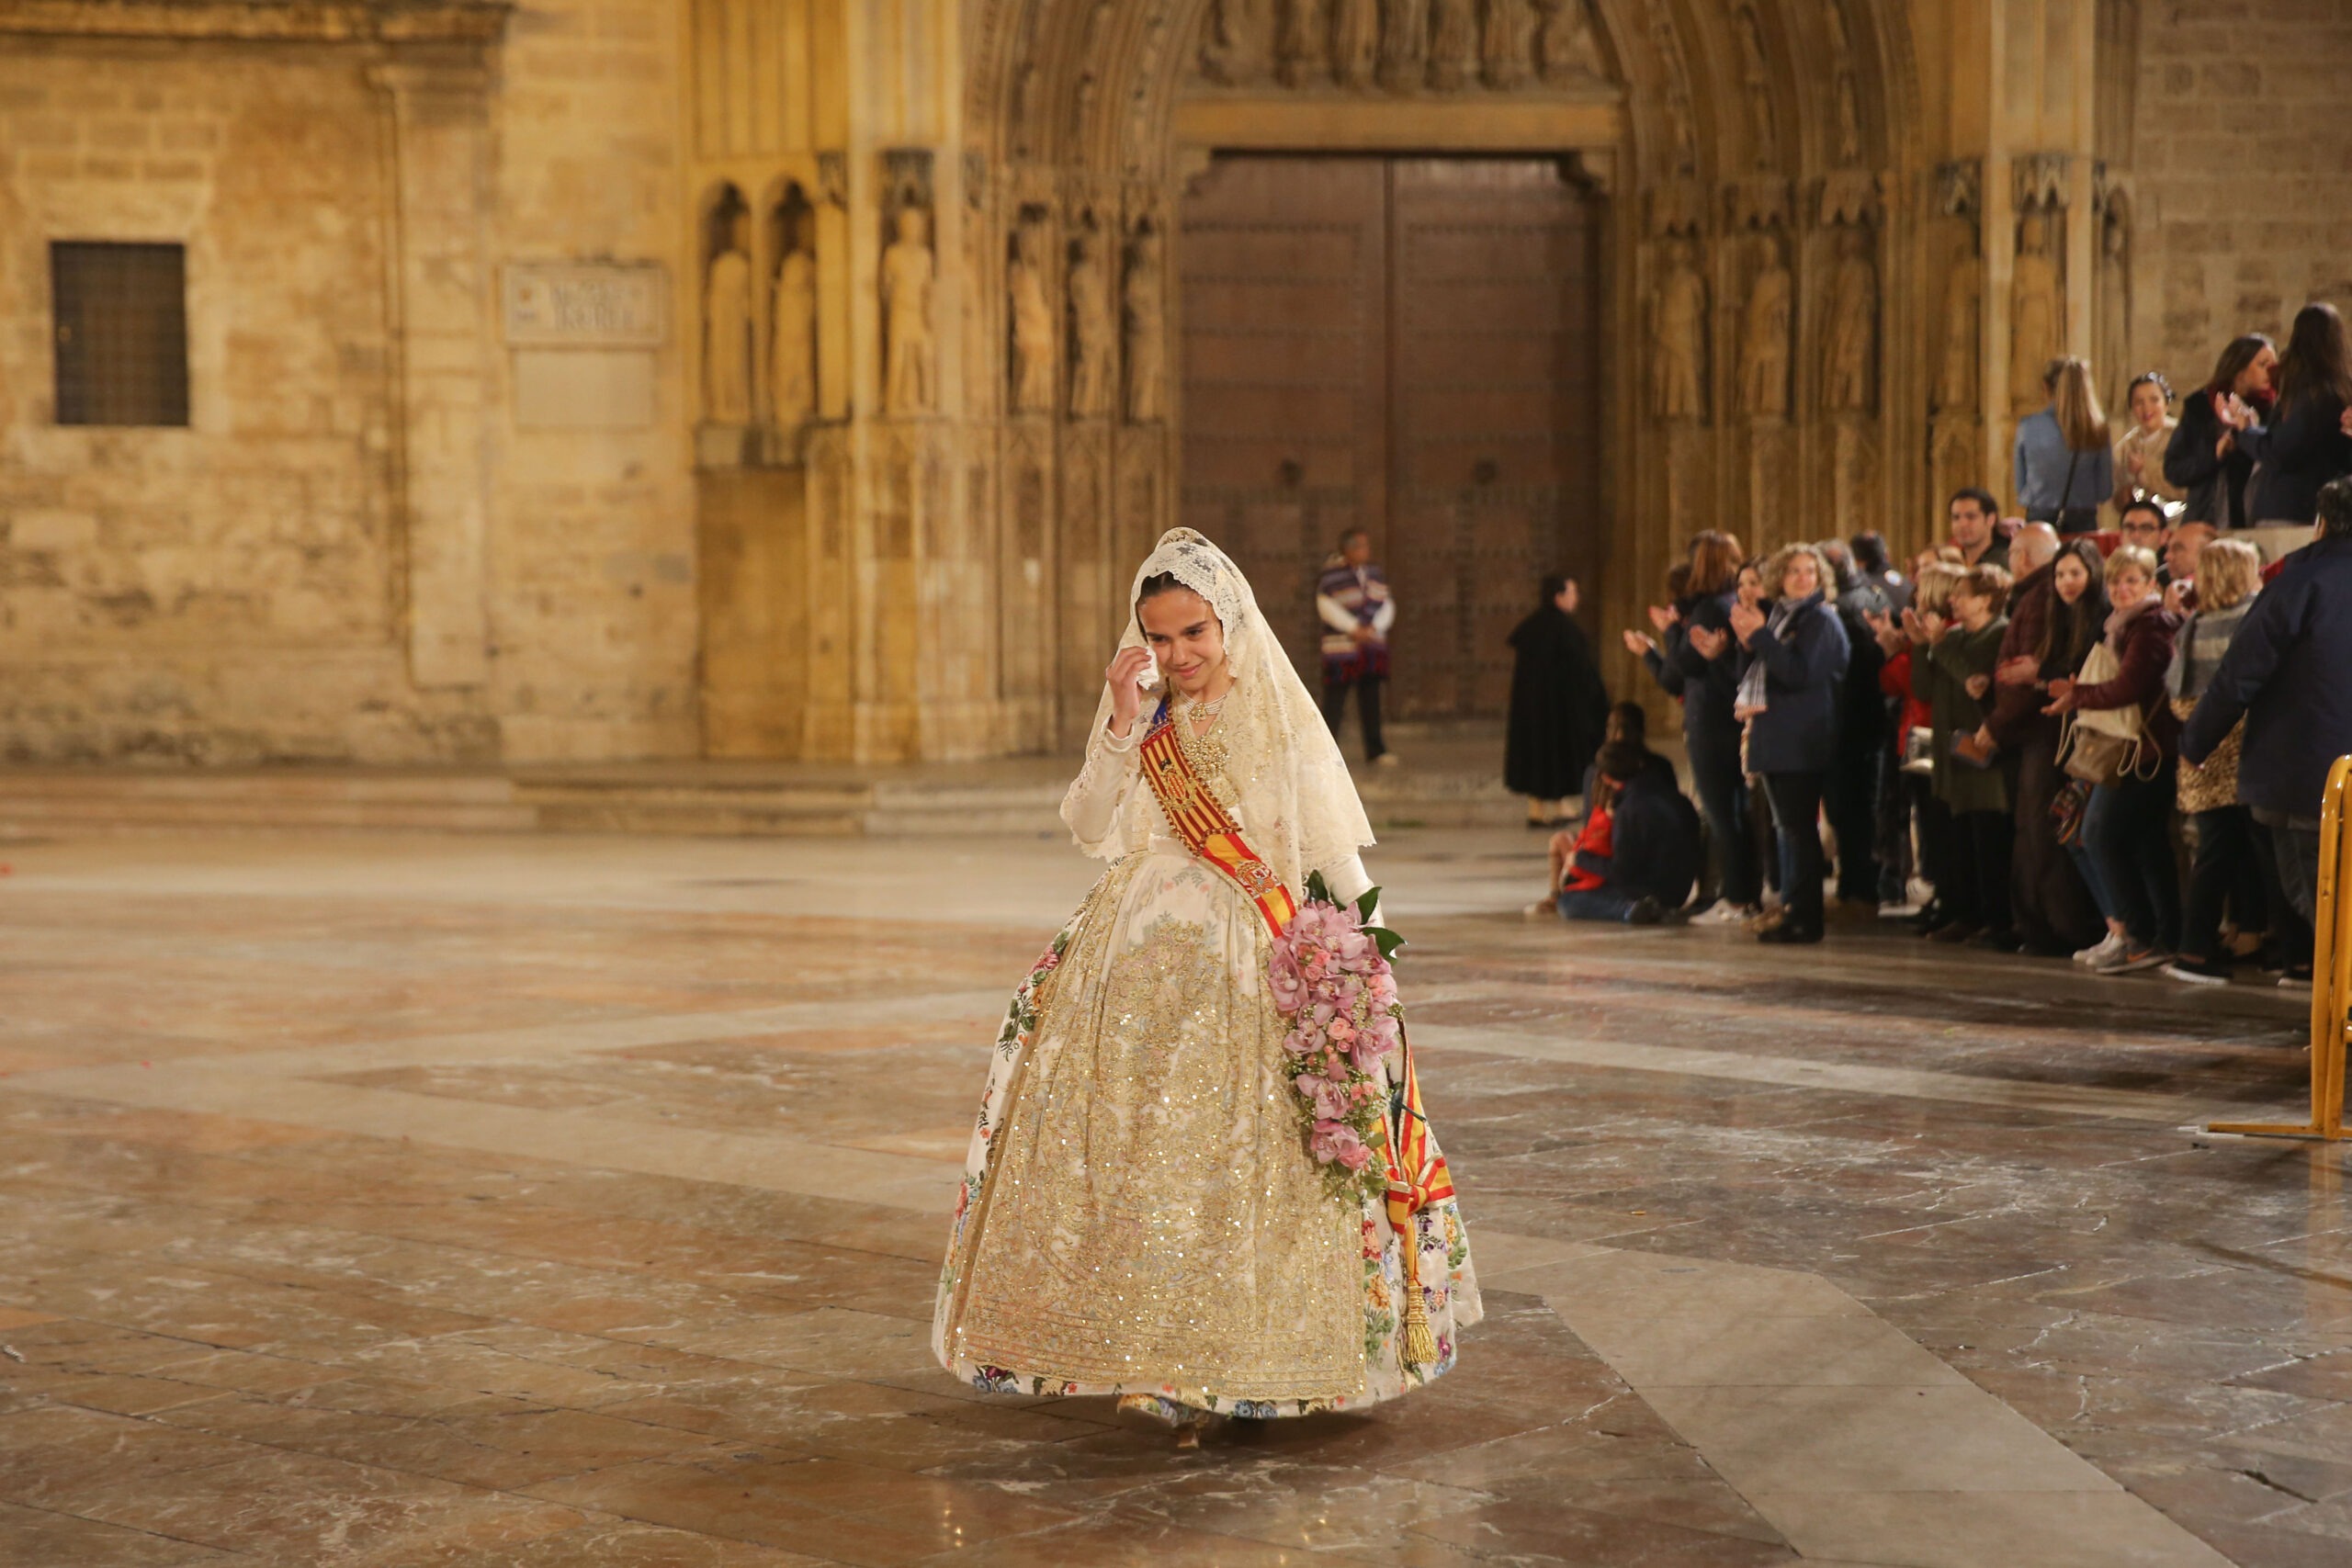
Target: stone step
x,y
687,798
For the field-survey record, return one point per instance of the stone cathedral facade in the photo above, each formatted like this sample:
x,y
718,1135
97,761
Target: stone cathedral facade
x,y
801,378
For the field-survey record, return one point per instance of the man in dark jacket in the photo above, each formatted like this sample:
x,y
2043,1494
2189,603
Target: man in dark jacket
x,y
2289,673
1654,846
1850,795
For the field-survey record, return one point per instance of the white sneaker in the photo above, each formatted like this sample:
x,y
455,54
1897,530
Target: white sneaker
x,y
2129,960
1388,759
1722,912
2108,946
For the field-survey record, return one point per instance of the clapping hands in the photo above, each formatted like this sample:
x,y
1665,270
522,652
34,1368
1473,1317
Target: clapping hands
x,y
2018,671
1709,643
1890,636
2062,694
1640,643
1746,622
1662,617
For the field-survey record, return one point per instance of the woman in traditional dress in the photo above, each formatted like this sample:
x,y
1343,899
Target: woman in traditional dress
x,y
1150,1210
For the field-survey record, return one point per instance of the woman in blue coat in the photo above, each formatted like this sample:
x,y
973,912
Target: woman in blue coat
x,y
1791,666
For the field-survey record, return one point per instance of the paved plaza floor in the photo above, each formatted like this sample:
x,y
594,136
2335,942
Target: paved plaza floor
x,y
545,1201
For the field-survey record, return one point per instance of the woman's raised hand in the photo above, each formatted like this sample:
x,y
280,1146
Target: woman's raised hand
x,y
1710,644
1746,622
1126,697
1639,643
1661,618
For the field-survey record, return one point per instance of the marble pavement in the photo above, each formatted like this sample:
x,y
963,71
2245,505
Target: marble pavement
x,y
546,1202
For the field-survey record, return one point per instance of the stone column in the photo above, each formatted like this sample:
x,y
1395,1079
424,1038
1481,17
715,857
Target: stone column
x,y
437,115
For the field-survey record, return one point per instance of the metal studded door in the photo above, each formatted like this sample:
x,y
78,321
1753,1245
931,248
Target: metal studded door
x,y
1405,345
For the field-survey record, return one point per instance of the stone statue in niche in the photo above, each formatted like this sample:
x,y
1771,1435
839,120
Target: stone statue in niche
x,y
1849,122
792,334
1033,321
1147,322
910,382
1851,338
2034,333
1679,340
1756,83
727,327
1094,372
1764,339
1565,43
1355,41
1234,50
1963,300
1453,43
1508,51
1404,41
1302,45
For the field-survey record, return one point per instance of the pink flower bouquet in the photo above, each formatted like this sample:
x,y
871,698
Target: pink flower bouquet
x,y
1330,975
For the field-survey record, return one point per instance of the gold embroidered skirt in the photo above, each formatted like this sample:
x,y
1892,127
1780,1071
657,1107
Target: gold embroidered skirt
x,y
1140,1213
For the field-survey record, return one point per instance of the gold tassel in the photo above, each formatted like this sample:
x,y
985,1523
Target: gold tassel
x,y
1420,1344
1416,1346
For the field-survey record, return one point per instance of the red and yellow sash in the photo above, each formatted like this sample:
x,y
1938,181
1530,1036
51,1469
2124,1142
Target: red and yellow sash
x,y
1417,1176
1200,819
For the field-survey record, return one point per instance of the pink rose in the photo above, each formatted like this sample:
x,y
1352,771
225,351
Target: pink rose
x,y
1051,962
1343,1031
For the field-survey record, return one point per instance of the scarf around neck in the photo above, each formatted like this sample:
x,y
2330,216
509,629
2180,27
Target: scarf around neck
x,y
1751,680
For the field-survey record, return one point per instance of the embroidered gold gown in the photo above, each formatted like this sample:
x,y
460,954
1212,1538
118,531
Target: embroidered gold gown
x,y
1140,1214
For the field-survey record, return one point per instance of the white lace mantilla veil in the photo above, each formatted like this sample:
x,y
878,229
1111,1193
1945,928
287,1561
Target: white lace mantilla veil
x,y
1293,797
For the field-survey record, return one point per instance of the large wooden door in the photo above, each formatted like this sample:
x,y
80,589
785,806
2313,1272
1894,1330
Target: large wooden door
x,y
1409,345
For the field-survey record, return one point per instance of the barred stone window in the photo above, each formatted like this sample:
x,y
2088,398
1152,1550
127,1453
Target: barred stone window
x,y
121,313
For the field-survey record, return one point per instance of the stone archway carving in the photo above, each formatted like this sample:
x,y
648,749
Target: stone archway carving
x,y
1725,158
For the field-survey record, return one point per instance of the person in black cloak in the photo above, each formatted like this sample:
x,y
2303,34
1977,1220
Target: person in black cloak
x,y
1558,706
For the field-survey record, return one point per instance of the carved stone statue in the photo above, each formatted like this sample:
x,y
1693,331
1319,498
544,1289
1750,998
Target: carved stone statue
x,y
1303,43
1764,340
1508,51
1147,324
1963,300
1235,46
727,329
910,383
1033,322
2034,332
1093,367
1756,83
1566,44
1679,341
1851,338
1404,41
1453,43
1355,41
1849,122
792,339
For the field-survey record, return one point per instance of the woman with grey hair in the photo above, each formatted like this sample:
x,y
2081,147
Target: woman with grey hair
x,y
1793,660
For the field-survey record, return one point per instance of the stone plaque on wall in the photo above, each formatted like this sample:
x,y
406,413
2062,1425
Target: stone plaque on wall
x,y
584,335
585,305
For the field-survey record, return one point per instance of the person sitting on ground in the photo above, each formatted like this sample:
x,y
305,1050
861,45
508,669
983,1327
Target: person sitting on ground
x,y
1637,856
1629,724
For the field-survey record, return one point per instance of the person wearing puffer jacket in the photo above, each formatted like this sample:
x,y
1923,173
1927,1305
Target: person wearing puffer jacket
x,y
2125,839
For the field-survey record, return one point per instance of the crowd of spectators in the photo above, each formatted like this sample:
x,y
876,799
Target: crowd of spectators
x,y
2048,735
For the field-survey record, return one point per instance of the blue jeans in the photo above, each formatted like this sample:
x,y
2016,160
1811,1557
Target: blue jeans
x,y
1723,800
1595,904
2128,829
